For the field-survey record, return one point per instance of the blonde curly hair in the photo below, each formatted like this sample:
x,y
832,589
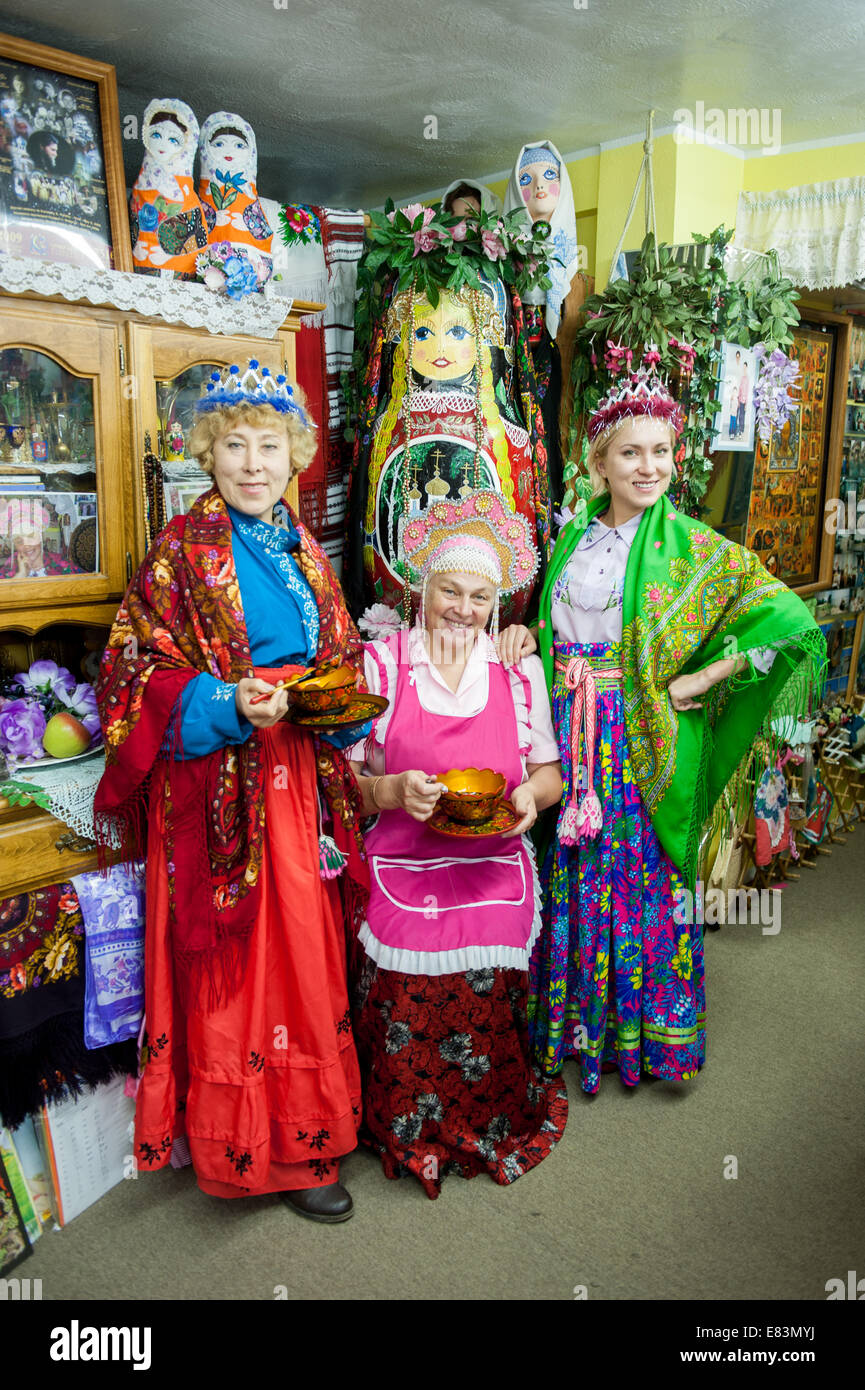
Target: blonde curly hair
x,y
211,425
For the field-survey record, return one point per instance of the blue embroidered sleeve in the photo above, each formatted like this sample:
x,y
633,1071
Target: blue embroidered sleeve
x,y
210,717
344,738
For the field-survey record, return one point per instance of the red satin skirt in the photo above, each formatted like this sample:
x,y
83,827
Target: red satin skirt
x,y
266,1088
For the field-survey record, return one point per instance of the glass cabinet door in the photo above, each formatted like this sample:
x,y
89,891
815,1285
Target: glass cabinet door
x,y
182,479
57,429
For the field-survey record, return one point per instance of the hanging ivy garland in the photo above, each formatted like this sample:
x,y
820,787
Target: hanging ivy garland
x,y
680,314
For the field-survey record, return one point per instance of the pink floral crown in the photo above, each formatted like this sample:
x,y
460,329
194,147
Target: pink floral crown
x,y
479,535
641,393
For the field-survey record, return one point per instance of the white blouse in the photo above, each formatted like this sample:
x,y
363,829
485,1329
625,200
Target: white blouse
x,y
534,728
588,594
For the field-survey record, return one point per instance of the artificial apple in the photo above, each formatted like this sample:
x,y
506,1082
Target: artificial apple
x,y
65,736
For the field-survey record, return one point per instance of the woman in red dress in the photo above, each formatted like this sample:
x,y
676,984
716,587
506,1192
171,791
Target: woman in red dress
x,y
249,1052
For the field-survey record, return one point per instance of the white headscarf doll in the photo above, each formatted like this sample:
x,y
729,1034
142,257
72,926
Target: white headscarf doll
x,y
486,199
540,184
168,229
228,192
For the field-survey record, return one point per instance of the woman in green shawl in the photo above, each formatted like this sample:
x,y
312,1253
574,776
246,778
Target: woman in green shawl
x,y
667,649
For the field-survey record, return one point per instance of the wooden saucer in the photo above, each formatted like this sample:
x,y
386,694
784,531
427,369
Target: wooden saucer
x,y
503,819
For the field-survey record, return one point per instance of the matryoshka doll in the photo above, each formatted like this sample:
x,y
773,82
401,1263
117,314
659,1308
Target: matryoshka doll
x,y
227,189
168,228
540,185
447,422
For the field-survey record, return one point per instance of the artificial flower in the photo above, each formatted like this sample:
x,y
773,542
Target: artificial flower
x,y
82,703
214,278
425,241
45,677
22,724
148,217
493,246
379,621
772,399
459,231
413,210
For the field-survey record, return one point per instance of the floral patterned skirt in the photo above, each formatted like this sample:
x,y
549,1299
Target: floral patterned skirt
x,y
614,979
449,1086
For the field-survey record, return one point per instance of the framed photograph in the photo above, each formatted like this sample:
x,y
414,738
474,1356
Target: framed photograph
x,y
179,497
735,420
46,534
62,187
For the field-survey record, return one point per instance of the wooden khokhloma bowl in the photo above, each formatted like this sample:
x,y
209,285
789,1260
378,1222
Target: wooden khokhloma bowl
x,y
332,690
472,793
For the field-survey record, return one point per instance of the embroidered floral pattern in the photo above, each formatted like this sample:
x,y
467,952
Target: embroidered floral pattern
x,y
450,1086
705,595
40,939
614,981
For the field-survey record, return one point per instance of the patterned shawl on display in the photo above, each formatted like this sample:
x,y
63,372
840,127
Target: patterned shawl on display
x,y
182,615
692,597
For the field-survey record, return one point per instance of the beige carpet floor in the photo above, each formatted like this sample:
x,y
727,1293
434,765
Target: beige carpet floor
x,y
633,1204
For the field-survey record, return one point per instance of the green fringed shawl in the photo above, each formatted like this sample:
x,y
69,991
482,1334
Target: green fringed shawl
x,y
692,597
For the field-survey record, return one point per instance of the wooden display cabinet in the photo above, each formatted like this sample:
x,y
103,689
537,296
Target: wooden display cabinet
x,y
80,389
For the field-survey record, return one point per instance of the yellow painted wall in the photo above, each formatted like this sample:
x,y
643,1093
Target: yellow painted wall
x,y
765,172
616,179
697,188
708,184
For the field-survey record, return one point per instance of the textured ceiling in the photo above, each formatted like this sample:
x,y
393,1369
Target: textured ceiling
x,y
338,94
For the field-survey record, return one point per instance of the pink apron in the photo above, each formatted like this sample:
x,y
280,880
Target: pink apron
x,y
429,892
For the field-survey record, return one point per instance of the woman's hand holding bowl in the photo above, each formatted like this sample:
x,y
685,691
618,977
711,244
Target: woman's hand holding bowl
x,y
263,715
417,793
523,801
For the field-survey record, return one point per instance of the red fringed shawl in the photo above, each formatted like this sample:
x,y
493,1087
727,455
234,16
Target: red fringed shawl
x,y
182,615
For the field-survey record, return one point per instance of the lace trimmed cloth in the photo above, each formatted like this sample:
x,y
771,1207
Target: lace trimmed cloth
x,y
70,788
817,229
176,301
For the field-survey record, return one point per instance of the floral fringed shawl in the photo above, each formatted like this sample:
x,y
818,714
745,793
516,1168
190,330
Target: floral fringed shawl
x,y
182,615
692,597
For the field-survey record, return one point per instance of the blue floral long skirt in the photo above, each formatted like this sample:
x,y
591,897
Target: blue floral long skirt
x,y
614,980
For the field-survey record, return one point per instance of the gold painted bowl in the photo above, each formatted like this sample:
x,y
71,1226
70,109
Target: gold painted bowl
x,y
327,691
472,793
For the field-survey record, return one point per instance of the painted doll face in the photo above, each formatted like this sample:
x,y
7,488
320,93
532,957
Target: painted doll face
x,y
229,150
540,185
444,340
638,464
165,139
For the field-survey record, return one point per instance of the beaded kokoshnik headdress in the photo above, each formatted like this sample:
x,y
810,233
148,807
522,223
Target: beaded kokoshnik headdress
x,y
479,535
253,386
641,393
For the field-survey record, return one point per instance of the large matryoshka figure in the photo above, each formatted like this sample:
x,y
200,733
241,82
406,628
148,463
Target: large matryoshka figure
x,y
445,420
228,193
540,185
168,228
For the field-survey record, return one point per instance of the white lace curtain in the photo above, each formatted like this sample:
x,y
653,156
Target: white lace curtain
x,y
818,230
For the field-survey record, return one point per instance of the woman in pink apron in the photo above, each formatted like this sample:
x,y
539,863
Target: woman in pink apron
x,y
441,974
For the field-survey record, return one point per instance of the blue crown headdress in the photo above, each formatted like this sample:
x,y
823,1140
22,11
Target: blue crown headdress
x,y
254,386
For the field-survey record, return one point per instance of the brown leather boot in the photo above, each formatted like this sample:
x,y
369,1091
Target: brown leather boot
x,y
332,1203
